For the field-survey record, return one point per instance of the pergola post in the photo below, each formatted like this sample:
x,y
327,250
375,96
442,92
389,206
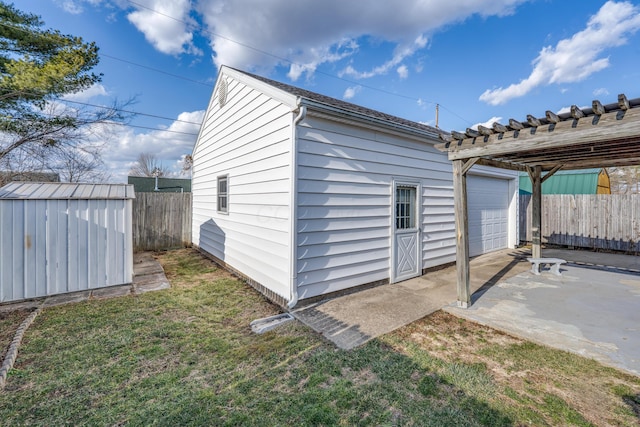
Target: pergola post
x,y
462,232
536,212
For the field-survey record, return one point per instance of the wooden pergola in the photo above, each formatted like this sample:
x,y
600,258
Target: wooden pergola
x,y
600,136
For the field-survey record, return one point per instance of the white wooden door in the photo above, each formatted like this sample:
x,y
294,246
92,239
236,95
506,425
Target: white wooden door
x,y
406,237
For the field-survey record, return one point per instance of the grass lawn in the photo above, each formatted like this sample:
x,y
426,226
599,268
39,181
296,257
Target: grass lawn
x,y
186,356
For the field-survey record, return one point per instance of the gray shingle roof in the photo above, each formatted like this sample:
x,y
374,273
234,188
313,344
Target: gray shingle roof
x,y
342,105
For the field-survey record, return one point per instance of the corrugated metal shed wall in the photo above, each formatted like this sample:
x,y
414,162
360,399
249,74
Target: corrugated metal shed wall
x,y
60,238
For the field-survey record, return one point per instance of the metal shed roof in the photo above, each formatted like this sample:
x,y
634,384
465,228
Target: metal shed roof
x,y
58,190
583,181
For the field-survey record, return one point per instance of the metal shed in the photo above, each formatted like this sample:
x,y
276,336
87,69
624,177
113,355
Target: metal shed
x,y
63,237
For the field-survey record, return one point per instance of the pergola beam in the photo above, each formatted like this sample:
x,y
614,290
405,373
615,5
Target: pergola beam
x,y
600,136
468,165
550,173
501,165
613,126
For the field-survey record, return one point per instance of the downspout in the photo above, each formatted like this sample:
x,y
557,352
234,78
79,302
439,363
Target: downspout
x,y
302,112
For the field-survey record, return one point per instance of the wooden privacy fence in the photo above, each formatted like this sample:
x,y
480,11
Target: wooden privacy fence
x,y
589,221
161,221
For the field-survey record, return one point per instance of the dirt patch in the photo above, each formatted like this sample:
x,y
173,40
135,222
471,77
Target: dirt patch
x,y
531,374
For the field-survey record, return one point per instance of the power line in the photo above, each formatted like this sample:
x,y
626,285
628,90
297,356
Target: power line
x,y
104,107
256,50
157,70
153,129
292,62
120,124
128,111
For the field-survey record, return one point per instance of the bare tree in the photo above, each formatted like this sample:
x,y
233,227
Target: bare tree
x,y
38,68
187,165
147,164
75,154
83,164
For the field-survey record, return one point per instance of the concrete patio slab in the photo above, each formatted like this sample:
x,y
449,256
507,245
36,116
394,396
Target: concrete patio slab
x,y
593,312
352,320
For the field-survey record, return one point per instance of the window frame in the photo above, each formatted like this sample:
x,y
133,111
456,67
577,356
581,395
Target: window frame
x,y
406,207
222,195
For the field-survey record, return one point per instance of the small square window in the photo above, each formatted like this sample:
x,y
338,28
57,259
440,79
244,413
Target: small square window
x,y
223,193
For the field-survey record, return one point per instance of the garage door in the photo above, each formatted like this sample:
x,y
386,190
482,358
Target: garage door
x,y
488,202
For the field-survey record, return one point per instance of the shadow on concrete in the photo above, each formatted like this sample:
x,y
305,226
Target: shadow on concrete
x,y
518,257
344,335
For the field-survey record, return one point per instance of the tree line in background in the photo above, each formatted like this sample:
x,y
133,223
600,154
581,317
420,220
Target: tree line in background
x,y
39,131
148,164
43,135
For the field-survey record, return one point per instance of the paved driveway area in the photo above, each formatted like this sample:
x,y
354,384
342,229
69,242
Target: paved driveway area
x,y
591,311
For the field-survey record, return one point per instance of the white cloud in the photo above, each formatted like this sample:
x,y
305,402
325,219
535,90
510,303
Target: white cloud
x,y
401,53
317,56
75,7
578,57
258,35
166,25
403,71
488,124
86,95
170,147
601,92
350,92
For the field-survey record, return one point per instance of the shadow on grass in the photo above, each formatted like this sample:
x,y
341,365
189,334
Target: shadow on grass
x,y
633,402
372,385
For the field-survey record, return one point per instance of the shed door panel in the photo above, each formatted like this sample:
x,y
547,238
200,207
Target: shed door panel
x,y
488,204
407,233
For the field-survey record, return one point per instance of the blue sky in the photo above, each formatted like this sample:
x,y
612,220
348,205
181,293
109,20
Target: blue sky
x,y
480,60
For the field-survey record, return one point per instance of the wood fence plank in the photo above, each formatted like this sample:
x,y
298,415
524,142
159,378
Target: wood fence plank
x,y
161,221
601,221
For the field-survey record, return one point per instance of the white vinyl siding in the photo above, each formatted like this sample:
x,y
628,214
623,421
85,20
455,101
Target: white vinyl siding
x,y
345,184
248,140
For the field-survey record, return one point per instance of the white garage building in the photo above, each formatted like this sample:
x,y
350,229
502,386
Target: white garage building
x,y
305,195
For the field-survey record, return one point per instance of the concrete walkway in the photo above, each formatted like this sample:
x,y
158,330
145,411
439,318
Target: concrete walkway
x,y
354,319
593,309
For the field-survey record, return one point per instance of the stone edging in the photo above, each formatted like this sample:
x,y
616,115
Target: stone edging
x,y
12,353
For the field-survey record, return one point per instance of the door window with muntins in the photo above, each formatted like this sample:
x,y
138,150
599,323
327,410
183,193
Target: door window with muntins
x,y
405,208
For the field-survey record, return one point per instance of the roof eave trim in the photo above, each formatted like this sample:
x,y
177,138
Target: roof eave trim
x,y
355,116
270,90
